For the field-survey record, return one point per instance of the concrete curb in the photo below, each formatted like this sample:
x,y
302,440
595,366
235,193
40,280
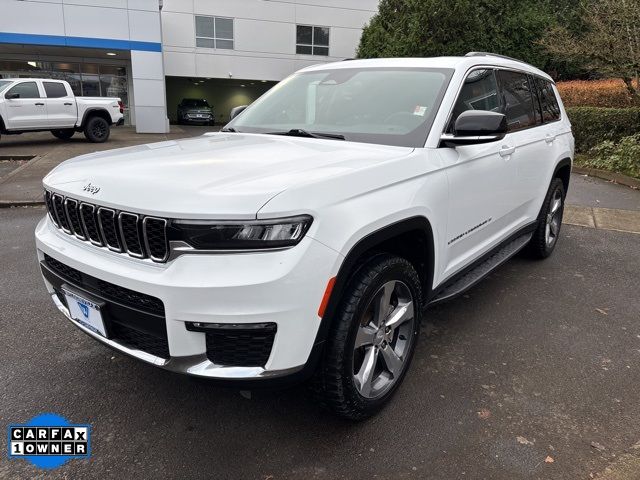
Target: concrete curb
x,y
21,203
611,176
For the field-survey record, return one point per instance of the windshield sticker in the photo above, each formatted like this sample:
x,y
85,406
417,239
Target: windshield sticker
x,y
420,110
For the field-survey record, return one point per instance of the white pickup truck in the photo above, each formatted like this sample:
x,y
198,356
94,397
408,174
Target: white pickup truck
x,y
33,104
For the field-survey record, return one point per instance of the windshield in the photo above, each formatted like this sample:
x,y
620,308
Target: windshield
x,y
390,106
4,83
194,103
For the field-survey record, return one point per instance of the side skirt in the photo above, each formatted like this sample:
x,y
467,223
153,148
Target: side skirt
x,y
470,276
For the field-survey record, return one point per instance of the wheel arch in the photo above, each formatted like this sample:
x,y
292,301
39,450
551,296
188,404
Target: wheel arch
x,y
563,172
411,238
96,112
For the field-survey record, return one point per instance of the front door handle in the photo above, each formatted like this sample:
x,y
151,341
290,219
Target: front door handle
x,y
39,104
68,103
505,151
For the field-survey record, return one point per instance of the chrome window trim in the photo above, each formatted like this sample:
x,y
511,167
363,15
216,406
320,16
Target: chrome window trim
x,y
495,68
67,201
106,243
145,238
124,240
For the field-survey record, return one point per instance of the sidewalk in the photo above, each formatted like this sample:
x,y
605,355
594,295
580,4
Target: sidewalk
x,y
23,186
596,203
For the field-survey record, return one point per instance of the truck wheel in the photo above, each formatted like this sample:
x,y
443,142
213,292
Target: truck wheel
x,y
546,234
64,134
373,337
97,130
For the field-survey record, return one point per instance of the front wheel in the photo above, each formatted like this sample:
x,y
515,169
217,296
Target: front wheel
x,y
373,337
64,134
97,130
546,235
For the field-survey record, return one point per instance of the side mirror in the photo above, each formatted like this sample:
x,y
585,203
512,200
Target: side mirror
x,y
476,126
11,96
237,111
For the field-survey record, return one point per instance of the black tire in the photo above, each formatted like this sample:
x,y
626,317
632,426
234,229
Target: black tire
x,y
97,130
544,242
334,384
64,134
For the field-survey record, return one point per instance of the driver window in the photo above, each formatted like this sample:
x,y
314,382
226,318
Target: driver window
x,y
479,92
26,90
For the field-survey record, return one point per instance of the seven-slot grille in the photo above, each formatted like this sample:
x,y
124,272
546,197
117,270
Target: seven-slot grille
x,y
122,232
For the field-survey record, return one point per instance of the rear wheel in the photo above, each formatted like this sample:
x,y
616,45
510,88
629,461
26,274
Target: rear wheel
x,y
374,335
97,130
546,235
64,134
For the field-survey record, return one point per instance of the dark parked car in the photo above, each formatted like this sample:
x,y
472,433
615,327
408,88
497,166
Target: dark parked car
x,y
195,110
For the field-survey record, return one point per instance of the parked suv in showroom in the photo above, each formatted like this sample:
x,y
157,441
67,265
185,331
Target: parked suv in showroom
x,y
305,240
195,110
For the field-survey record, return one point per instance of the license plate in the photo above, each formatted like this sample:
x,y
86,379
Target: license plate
x,y
85,312
200,116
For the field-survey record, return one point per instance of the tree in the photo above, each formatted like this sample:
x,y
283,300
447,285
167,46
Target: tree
x,y
424,28
609,43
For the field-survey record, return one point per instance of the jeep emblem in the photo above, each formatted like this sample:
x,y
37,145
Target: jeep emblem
x,y
92,189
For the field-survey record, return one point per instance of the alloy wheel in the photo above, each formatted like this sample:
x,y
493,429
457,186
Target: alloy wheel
x,y
383,340
554,218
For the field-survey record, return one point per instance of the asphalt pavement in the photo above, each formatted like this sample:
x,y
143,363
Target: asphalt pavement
x,y
533,374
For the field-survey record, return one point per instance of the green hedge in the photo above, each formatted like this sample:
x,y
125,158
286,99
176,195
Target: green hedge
x,y
592,126
622,156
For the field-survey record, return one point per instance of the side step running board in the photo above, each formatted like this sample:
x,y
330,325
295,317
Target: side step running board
x,y
473,276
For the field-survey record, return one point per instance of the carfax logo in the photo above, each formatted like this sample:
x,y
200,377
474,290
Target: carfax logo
x,y
49,441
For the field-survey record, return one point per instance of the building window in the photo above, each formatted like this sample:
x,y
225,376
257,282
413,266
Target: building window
x,y
214,32
312,40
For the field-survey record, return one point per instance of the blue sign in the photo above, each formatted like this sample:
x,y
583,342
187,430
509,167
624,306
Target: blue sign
x,y
49,441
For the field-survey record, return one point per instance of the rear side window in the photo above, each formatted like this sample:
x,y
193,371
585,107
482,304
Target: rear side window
x,y
479,92
54,89
548,101
517,99
25,89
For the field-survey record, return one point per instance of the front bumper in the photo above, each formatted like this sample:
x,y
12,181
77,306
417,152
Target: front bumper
x,y
281,287
192,118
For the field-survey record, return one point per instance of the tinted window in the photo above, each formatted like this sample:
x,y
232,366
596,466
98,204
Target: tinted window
x,y
548,101
193,102
479,92
54,90
214,32
26,90
517,99
312,40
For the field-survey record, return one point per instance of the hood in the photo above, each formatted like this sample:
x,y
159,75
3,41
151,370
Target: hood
x,y
217,175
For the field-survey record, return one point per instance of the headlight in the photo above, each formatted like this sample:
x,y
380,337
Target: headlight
x,y
241,235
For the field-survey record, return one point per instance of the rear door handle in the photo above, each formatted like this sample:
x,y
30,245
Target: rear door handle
x,y
550,138
505,151
39,104
68,103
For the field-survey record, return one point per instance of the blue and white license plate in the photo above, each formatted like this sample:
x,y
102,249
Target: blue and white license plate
x,y
85,312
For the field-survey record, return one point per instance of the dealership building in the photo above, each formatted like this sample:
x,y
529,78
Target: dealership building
x,y
153,53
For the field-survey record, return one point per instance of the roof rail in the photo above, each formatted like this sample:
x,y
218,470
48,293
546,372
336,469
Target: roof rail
x,y
489,54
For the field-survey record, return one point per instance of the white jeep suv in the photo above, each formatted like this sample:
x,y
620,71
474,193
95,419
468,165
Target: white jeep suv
x,y
306,239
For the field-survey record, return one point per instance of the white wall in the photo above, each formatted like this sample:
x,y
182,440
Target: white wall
x,y
128,20
264,35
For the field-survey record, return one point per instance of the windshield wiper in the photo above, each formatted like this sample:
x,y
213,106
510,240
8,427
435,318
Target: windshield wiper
x,y
229,129
298,132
